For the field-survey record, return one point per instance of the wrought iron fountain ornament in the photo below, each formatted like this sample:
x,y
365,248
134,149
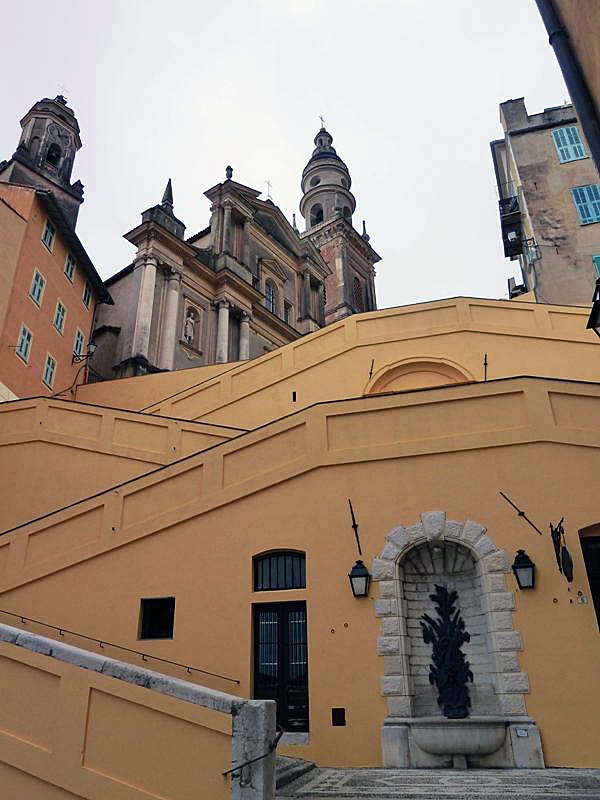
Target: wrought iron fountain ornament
x,y
449,670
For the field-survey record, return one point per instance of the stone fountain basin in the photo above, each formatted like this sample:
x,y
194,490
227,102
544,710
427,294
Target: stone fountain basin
x,y
469,737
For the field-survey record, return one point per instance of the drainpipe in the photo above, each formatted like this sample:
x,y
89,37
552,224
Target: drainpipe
x,y
576,84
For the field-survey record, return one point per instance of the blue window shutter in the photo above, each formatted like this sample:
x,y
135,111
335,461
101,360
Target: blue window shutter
x,y
580,203
568,144
596,262
561,145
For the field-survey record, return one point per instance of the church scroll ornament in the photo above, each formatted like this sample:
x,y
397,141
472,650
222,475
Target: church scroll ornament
x,y
449,670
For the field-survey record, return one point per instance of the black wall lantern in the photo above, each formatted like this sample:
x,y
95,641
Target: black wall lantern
x,y
359,579
594,320
524,570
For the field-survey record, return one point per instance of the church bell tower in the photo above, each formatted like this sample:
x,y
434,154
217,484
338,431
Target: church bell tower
x,y
45,154
327,206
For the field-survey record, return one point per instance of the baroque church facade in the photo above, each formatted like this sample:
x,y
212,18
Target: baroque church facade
x,y
246,284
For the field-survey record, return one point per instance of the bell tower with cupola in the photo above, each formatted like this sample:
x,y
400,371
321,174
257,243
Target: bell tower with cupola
x,y
327,206
45,154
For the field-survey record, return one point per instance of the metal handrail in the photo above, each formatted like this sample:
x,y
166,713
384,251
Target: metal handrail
x,y
272,748
102,642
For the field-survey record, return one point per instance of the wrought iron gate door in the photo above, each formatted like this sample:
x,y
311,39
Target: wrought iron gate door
x,y
281,661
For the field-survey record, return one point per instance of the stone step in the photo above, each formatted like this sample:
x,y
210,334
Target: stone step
x,y
290,769
413,784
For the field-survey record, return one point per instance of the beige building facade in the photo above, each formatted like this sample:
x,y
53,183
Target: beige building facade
x,y
208,521
549,203
243,286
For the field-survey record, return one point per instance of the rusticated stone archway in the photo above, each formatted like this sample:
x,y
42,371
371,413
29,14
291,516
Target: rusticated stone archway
x,y
461,556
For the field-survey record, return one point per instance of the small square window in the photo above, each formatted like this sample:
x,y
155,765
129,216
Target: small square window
x,y
157,616
596,263
48,235
78,343
59,317
70,267
49,371
37,288
24,346
87,294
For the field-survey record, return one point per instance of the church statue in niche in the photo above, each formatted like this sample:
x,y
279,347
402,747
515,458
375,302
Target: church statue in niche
x,y
191,327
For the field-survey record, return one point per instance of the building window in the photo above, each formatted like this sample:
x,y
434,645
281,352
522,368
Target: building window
x,y
287,313
157,617
587,202
87,294
316,214
49,371
275,571
596,263
24,346
59,317
53,155
315,181
270,297
48,235
70,267
37,288
78,343
568,144
357,293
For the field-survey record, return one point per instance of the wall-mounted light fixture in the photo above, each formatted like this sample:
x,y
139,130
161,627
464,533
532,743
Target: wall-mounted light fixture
x,y
78,357
594,320
524,570
359,579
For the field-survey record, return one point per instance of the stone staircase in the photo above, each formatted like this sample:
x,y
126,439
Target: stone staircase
x,y
394,784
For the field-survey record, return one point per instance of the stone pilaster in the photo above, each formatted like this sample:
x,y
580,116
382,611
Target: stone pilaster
x,y
143,320
227,228
246,243
244,350
169,327
222,354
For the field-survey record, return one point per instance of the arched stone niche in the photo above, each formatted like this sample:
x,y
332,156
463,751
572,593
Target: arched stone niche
x,y
460,556
417,374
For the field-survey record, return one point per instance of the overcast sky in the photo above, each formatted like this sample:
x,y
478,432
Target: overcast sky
x,y
409,89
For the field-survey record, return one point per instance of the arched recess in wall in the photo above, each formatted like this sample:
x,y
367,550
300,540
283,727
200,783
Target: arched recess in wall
x,y
417,373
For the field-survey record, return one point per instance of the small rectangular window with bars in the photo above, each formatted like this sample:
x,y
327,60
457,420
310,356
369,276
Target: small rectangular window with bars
x,y
48,235
49,371
568,144
70,267
24,347
282,570
587,202
78,343
37,288
59,317
87,294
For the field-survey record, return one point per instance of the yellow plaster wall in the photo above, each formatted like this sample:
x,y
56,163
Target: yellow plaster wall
x,y
68,451
348,358
67,732
137,393
286,486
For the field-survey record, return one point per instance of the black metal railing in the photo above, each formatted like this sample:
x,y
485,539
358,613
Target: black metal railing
x,y
103,642
509,205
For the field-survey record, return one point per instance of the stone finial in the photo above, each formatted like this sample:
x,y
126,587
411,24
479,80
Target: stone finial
x,y
365,235
167,198
294,223
228,173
